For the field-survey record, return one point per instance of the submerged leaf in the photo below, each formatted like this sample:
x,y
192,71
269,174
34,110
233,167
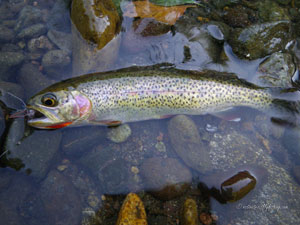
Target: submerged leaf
x,y
165,14
173,2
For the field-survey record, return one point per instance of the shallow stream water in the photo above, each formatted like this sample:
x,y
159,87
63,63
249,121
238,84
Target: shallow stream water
x,y
242,172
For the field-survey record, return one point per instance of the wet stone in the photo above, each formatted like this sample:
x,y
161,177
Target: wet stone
x,y
259,40
290,141
271,11
277,70
12,198
165,178
32,79
132,211
9,61
8,47
39,44
119,134
32,31
296,173
61,39
283,2
12,88
55,62
237,17
115,177
28,16
89,190
81,140
59,17
187,143
60,199
189,213
6,34
35,152
232,149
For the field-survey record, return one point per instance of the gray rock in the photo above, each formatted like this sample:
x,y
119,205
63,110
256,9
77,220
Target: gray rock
x,y
2,128
296,173
290,141
59,18
260,40
12,198
61,39
202,45
28,16
271,11
32,31
187,143
283,2
81,140
165,178
232,150
9,61
56,202
6,34
8,47
221,4
39,44
5,11
89,191
277,71
9,23
12,88
112,172
34,153
32,79
55,62
119,134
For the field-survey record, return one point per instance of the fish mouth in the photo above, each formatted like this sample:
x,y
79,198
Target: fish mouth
x,y
41,117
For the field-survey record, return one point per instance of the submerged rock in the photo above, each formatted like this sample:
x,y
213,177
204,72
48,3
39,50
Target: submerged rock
x,y
277,71
270,11
32,154
230,150
189,214
32,31
95,29
61,39
119,134
6,34
186,142
32,79
56,202
132,211
39,44
28,16
165,178
9,61
260,40
81,140
12,198
55,63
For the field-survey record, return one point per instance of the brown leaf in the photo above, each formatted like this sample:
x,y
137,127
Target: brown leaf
x,y
165,14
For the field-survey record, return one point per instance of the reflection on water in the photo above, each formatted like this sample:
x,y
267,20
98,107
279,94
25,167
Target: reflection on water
x,y
185,169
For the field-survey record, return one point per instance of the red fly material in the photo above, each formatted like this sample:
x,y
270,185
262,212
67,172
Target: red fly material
x,y
19,114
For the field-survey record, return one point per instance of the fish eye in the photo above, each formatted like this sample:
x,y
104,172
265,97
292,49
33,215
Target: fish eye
x,y
49,100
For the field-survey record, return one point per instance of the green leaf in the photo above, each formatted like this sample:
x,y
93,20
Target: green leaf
x,y
173,2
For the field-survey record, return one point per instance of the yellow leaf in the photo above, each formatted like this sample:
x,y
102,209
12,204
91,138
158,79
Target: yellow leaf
x,y
165,14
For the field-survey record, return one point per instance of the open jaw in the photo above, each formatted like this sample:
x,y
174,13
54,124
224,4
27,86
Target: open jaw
x,y
34,115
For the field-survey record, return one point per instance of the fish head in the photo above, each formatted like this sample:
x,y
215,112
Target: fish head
x,y
57,109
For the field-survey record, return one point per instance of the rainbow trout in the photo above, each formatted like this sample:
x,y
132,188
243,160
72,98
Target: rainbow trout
x,y
125,96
